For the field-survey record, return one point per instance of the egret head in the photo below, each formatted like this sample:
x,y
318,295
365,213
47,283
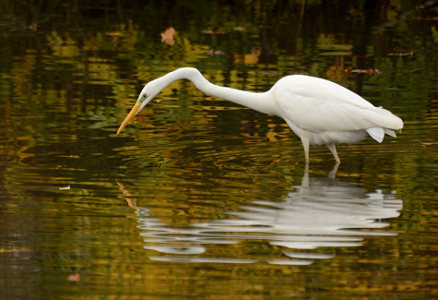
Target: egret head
x,y
148,93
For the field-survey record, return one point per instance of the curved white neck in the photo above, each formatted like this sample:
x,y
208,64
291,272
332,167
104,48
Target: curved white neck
x,y
261,102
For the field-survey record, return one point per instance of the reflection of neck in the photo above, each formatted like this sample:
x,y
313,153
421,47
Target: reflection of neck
x,y
258,101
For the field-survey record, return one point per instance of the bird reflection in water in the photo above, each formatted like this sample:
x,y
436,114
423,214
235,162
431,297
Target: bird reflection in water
x,y
321,212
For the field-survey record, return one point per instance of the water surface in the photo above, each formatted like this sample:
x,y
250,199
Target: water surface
x,y
199,197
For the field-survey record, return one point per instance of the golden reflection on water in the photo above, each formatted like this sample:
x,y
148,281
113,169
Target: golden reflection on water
x,y
199,197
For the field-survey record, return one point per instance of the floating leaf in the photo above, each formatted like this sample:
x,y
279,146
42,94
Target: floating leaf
x,y
211,31
74,278
168,36
64,188
363,71
212,52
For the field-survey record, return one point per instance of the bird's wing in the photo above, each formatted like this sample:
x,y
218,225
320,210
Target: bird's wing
x,y
320,105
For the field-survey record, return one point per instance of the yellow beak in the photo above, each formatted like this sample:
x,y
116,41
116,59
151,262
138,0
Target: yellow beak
x,y
128,117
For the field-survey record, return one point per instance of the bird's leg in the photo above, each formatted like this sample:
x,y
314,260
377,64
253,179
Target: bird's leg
x,y
332,173
332,148
306,144
305,180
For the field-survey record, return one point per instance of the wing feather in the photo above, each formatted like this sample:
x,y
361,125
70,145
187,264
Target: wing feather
x,y
320,105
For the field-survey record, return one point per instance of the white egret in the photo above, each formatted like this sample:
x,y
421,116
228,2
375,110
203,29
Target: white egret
x,y
319,111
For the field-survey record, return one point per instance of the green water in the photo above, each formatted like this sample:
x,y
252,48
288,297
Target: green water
x,y
198,197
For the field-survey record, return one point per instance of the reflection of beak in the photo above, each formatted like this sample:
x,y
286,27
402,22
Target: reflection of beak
x,y
128,117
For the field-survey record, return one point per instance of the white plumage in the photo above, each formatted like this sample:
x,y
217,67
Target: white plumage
x,y
319,111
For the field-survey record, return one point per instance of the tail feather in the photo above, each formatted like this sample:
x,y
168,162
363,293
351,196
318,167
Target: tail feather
x,y
384,118
376,133
389,132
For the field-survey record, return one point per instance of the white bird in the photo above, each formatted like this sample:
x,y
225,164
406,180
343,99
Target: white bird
x,y
319,111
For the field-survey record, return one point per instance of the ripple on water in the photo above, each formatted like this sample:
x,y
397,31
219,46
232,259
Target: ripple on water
x,y
319,214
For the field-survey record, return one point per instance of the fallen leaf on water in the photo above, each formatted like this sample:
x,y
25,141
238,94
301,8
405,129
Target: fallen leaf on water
x,y
363,71
401,53
74,278
168,36
212,52
425,144
114,33
210,31
239,28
